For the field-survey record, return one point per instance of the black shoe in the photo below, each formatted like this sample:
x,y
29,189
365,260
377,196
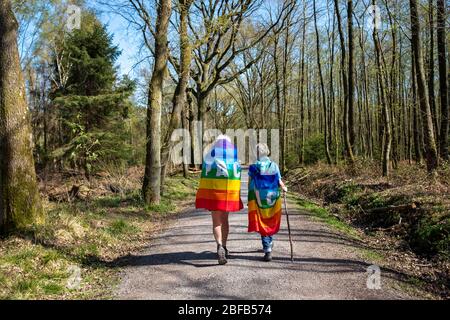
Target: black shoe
x,y
227,253
221,255
268,257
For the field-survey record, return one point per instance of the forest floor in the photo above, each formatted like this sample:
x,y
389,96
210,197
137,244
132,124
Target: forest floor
x,y
101,242
330,262
405,219
89,224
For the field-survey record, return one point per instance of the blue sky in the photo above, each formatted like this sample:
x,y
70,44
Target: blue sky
x,y
123,37
129,42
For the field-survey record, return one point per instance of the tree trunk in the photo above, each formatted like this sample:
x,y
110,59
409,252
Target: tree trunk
x,y
284,134
20,203
386,113
185,126
346,138
302,89
430,142
351,78
322,87
152,178
202,104
180,96
332,103
366,99
190,112
415,107
391,82
443,81
431,93
279,105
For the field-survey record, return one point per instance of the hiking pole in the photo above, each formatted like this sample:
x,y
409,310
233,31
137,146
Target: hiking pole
x,y
289,228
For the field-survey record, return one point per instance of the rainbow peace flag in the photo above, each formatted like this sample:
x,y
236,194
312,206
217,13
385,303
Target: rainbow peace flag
x,y
220,183
264,199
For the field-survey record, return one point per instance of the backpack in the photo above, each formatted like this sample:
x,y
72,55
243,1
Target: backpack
x,y
267,190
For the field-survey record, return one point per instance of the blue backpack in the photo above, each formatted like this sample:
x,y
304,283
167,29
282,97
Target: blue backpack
x,y
267,189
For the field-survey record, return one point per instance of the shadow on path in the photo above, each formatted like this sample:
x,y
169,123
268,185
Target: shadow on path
x,y
207,259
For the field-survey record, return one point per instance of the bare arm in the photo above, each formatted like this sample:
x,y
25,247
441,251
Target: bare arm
x,y
283,186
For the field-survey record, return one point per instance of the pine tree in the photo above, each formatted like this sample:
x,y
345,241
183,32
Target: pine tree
x,y
92,103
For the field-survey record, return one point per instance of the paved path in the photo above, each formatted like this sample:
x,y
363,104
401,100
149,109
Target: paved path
x,y
181,264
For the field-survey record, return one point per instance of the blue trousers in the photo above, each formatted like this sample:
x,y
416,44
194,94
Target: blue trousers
x,y
267,243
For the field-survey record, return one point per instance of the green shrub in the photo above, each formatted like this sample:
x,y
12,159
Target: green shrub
x,y
314,150
349,194
432,236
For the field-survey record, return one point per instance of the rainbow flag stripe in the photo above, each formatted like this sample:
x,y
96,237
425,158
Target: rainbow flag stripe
x,y
266,222
220,183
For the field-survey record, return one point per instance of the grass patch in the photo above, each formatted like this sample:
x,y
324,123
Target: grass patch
x,y
120,227
178,188
322,215
164,207
416,287
372,256
38,263
31,271
415,281
109,202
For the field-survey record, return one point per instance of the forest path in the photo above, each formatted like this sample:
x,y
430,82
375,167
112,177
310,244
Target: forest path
x,y
181,263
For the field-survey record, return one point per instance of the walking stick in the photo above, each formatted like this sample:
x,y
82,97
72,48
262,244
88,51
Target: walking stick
x,y
289,228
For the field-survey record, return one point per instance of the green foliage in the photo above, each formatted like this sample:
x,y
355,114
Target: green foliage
x,y
314,150
376,201
120,226
292,160
432,236
348,193
92,57
92,104
109,202
373,256
323,215
165,206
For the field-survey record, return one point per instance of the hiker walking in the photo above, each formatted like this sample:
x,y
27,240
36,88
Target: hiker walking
x,y
264,199
219,191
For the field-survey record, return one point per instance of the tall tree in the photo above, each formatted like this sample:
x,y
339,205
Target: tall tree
x,y
422,90
285,110
386,112
91,104
220,44
152,178
302,77
20,203
351,78
322,87
415,117
184,72
431,74
345,82
443,80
